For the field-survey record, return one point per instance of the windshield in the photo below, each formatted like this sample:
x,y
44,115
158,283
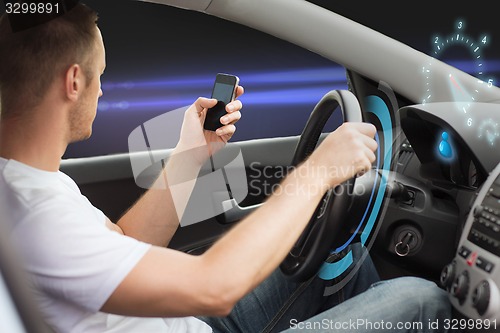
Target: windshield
x,y
434,31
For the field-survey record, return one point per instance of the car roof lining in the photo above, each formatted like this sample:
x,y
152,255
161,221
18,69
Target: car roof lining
x,y
346,42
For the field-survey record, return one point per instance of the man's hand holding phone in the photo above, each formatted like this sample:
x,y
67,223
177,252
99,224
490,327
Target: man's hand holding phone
x,y
193,132
224,91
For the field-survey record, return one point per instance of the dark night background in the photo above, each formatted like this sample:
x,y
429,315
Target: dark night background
x,y
160,58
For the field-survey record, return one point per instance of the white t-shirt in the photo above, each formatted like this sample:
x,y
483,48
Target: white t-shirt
x,y
75,262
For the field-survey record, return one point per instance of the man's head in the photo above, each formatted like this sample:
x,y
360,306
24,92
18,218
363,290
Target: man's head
x,y
65,55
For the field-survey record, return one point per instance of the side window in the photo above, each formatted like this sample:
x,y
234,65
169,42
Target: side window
x,y
161,58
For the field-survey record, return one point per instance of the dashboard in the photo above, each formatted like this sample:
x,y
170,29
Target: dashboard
x,y
455,154
472,279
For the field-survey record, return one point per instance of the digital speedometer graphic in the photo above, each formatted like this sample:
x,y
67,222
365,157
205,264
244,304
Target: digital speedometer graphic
x,y
463,45
489,130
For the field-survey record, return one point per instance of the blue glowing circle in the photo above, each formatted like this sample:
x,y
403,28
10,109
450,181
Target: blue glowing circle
x,y
377,106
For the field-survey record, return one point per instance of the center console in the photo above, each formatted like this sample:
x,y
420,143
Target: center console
x,y
472,279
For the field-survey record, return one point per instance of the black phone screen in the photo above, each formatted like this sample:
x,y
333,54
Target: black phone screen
x,y
223,93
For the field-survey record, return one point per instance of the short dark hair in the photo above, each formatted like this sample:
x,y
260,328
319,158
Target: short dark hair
x,y
30,60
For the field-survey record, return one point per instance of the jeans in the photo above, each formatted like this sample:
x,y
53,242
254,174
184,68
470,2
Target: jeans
x,y
365,304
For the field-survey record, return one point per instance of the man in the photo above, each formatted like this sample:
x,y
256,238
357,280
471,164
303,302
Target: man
x,y
92,275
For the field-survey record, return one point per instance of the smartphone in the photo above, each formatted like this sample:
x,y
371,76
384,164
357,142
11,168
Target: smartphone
x,y
224,91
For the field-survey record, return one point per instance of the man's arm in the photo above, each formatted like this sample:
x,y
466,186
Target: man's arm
x,y
171,283
154,218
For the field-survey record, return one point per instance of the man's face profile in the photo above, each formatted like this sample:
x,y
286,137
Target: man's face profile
x,y
84,112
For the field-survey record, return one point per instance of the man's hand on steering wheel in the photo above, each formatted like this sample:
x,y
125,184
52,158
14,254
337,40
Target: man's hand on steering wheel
x,y
346,152
343,154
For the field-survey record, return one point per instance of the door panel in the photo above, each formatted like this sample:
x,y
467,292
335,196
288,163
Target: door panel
x,y
108,182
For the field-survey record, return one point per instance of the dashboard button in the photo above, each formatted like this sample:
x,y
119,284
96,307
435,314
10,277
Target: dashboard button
x,y
495,192
460,287
472,260
448,275
478,210
464,252
484,264
481,297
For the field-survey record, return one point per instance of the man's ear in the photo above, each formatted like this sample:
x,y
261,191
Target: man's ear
x,y
74,82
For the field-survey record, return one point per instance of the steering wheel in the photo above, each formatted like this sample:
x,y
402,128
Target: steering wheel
x,y
315,242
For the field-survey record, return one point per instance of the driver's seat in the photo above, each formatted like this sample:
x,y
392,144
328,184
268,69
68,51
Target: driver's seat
x,y
19,311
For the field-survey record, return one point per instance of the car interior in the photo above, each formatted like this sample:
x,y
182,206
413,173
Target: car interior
x,y
430,206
